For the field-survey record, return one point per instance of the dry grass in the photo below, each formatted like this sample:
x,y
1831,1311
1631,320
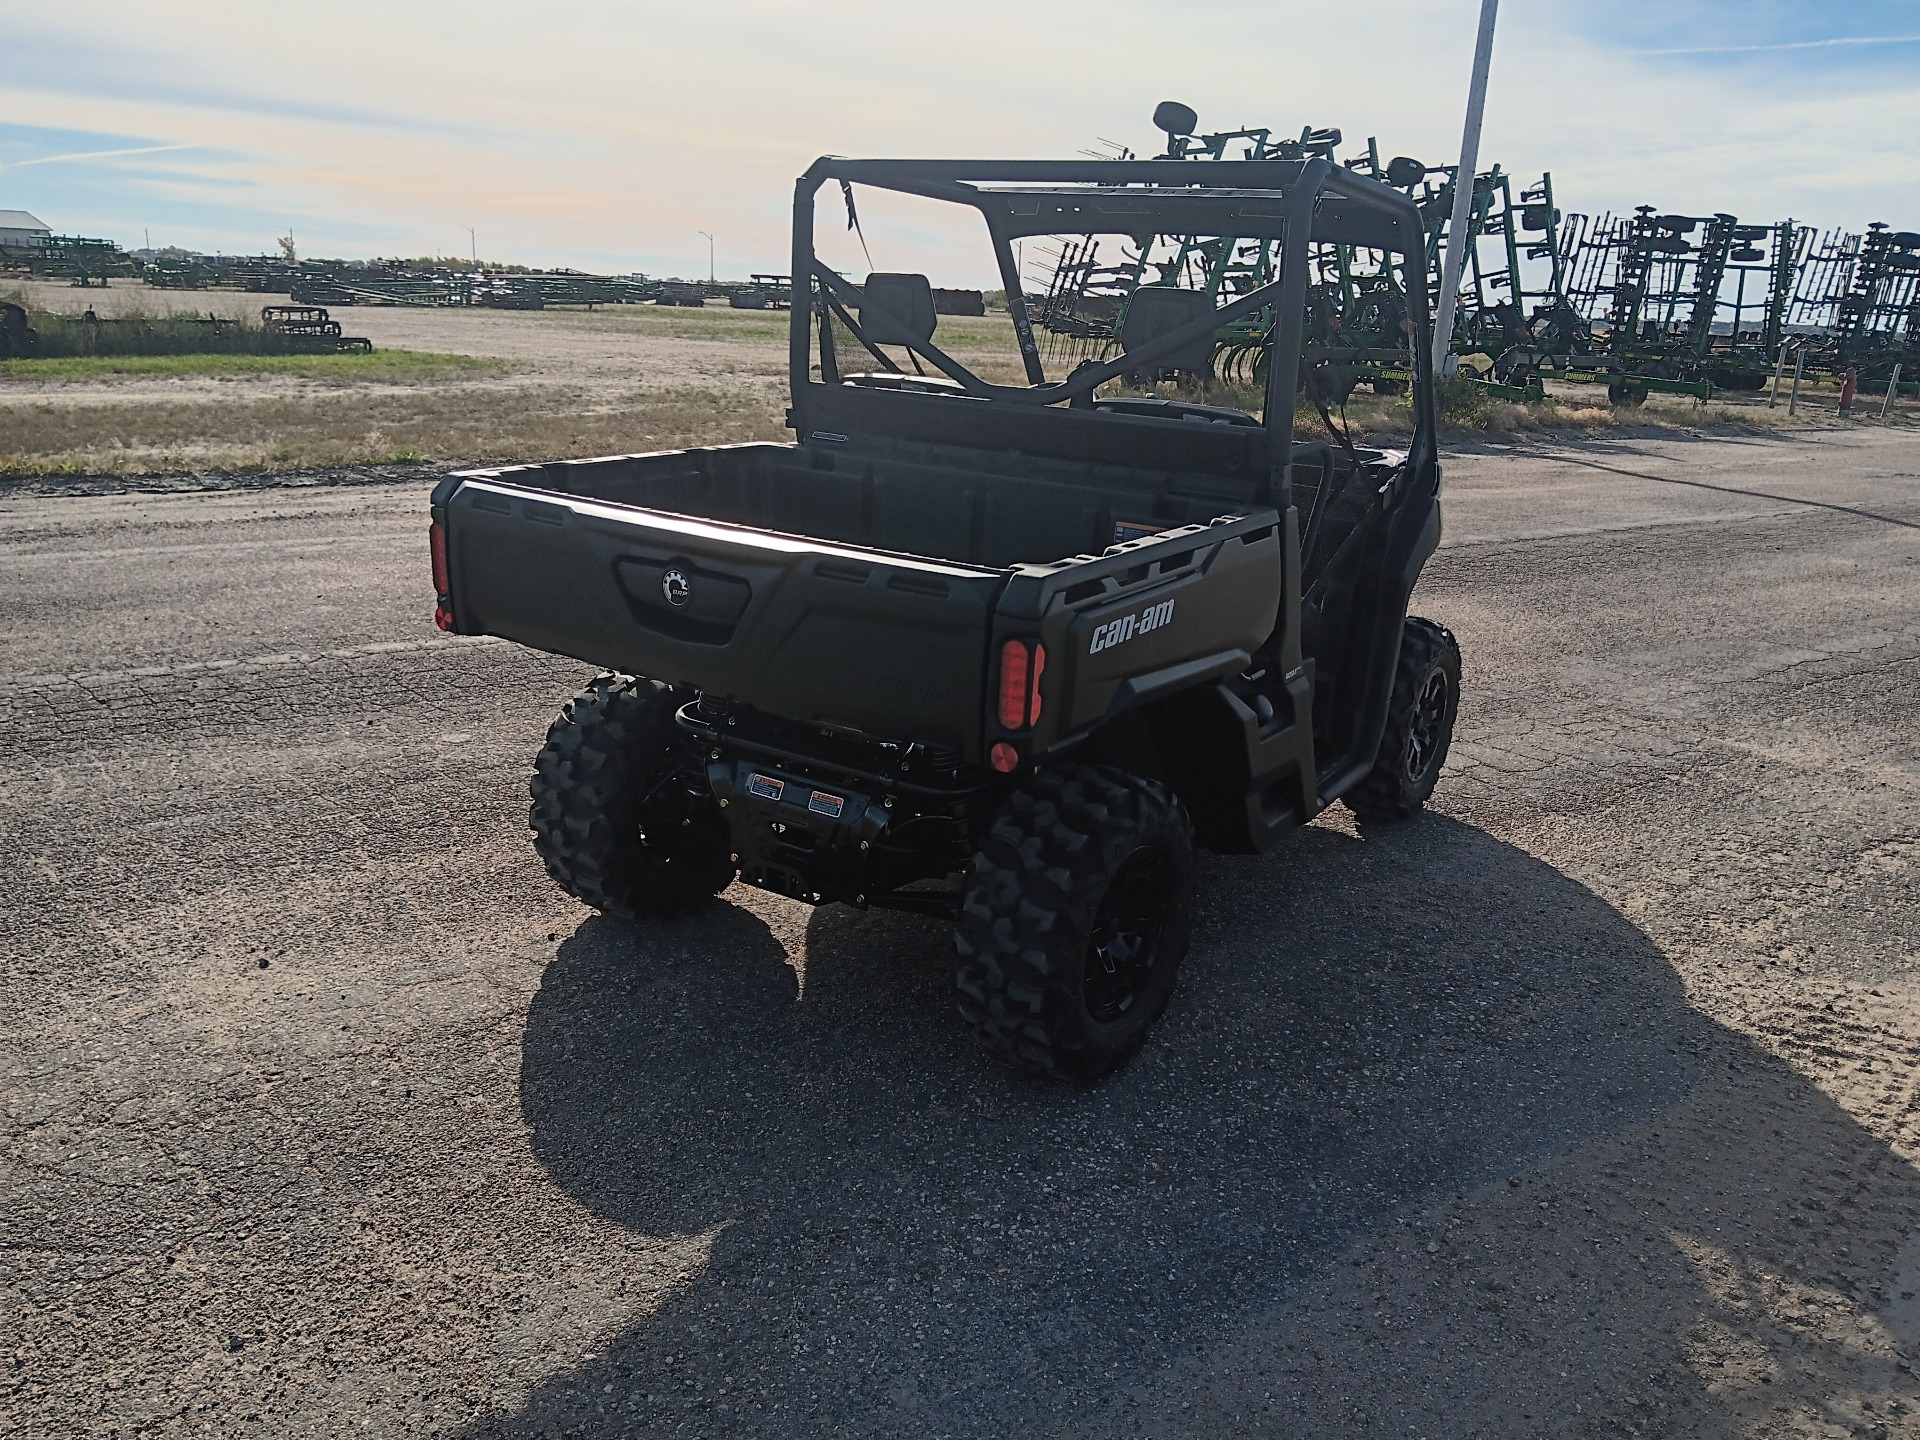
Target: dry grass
x,y
450,423
390,366
1583,409
502,387
1469,410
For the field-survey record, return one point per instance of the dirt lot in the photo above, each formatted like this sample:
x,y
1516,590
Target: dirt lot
x,y
568,382
1584,1105
564,382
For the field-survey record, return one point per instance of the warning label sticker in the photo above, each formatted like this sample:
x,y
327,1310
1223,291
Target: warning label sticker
x,y
766,787
822,803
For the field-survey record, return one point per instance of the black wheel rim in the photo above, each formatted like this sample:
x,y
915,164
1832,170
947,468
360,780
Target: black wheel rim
x,y
673,828
1123,949
1429,725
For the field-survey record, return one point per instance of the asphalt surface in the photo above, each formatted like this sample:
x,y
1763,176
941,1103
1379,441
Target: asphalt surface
x,y
1584,1104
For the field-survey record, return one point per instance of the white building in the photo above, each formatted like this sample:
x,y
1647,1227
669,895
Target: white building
x,y
17,227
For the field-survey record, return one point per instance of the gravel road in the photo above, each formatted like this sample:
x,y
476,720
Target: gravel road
x,y
1583,1105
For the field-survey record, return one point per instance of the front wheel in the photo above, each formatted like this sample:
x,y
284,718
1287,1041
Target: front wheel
x,y
1074,919
1420,715
617,816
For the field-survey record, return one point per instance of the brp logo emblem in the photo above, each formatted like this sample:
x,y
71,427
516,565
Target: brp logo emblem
x,y
677,587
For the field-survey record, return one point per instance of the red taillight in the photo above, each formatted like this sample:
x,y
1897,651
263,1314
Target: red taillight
x,y
437,541
1014,665
1022,663
1005,758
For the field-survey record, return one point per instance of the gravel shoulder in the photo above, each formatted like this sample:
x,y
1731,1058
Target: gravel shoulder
x,y
1587,1104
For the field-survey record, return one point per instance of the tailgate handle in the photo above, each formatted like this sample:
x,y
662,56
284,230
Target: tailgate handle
x,y
681,599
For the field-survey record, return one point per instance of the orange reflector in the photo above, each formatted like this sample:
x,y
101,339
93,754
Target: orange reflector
x,y
1005,758
1033,685
1015,664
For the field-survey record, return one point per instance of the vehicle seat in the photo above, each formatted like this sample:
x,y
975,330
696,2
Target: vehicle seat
x,y
1149,409
908,303
1157,310
916,384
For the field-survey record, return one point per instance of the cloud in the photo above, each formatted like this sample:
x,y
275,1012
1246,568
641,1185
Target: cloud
x,y
91,155
1783,45
608,133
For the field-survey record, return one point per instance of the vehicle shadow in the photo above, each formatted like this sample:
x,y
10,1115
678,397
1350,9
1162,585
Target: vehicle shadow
x,y
910,1239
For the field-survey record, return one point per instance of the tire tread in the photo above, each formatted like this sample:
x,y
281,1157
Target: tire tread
x,y
1029,903
605,741
1385,793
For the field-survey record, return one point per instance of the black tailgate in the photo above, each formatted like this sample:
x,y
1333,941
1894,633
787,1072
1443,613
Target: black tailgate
x,y
891,645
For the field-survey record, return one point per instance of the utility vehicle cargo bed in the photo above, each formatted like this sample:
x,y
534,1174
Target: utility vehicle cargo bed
x,y
863,591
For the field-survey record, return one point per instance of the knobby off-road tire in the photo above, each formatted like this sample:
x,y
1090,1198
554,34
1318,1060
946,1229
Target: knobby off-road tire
x,y
1076,913
613,824
1426,698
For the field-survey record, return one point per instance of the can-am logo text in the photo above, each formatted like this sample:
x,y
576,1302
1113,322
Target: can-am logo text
x,y
1118,632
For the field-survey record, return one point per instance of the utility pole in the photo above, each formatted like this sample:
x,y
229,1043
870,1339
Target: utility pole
x,y
473,246
1463,186
709,255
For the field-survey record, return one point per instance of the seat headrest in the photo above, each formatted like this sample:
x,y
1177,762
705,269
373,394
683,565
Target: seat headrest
x,y
1156,310
908,299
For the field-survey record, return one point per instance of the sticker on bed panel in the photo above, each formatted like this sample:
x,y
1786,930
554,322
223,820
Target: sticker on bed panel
x,y
822,803
766,787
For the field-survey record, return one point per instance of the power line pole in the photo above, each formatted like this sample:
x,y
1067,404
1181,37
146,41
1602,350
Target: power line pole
x,y
709,254
1463,187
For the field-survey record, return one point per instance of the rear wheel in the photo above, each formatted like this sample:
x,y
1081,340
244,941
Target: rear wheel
x,y
1075,917
1426,697
1627,394
616,817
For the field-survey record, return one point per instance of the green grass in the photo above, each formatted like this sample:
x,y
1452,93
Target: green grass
x,y
15,465
382,365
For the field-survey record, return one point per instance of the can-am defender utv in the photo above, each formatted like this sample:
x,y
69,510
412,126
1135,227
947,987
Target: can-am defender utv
x,y
1044,636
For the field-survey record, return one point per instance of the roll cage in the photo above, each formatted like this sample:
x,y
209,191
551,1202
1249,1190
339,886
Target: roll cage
x,y
1296,204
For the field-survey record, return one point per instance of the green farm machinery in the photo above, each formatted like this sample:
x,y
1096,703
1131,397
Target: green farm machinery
x,y
1648,302
1357,296
1095,291
1648,309
81,261
311,328
1876,321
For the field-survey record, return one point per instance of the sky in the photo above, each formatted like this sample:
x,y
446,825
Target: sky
x,y
609,134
